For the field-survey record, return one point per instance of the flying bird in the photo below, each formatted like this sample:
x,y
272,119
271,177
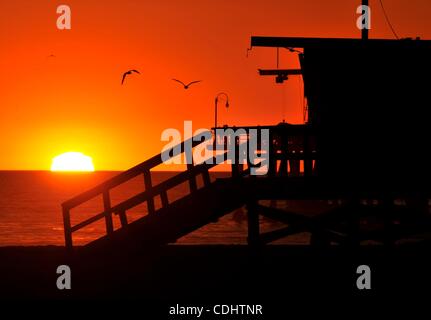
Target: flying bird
x,y
186,86
128,73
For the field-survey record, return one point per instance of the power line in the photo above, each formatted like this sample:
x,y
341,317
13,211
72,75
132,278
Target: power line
x,y
387,20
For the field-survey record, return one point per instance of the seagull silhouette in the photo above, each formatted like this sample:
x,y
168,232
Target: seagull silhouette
x,y
128,73
186,86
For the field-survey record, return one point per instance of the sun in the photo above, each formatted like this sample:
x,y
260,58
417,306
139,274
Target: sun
x,y
72,161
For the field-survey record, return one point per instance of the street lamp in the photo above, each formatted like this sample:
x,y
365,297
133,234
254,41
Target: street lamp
x,y
216,103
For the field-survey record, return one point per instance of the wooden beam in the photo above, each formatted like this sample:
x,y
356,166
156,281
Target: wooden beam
x,y
192,178
107,212
206,177
88,221
129,174
253,238
277,72
299,42
164,198
308,161
67,228
271,236
148,187
281,215
123,218
364,31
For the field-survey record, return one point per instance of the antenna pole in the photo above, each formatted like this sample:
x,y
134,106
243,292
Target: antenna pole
x,y
364,31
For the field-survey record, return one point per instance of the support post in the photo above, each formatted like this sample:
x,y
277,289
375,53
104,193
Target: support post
x,y
353,220
206,177
215,113
253,223
148,187
108,213
190,168
308,161
364,31
285,152
123,218
236,165
192,178
67,228
272,163
164,199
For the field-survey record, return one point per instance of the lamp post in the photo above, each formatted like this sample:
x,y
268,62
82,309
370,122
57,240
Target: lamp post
x,y
216,100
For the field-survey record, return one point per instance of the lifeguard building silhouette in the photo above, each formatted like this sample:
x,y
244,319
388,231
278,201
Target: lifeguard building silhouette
x,y
367,138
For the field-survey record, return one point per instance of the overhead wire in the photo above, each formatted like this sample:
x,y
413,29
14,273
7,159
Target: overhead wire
x,y
388,20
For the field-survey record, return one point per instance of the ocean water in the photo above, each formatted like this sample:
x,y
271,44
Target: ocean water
x,y
30,210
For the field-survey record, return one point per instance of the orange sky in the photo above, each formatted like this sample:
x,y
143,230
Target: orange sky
x,y
74,102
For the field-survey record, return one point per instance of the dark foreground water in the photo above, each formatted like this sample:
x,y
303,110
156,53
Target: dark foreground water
x,y
30,209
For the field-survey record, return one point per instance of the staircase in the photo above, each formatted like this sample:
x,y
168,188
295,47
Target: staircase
x,y
174,219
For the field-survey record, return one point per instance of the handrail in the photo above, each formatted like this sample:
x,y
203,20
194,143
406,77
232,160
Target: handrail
x,y
126,175
161,189
147,195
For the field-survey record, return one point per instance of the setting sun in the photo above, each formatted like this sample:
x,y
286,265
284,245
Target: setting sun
x,y
72,161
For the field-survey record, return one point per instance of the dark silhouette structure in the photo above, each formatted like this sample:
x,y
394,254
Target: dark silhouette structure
x,y
364,100
364,147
